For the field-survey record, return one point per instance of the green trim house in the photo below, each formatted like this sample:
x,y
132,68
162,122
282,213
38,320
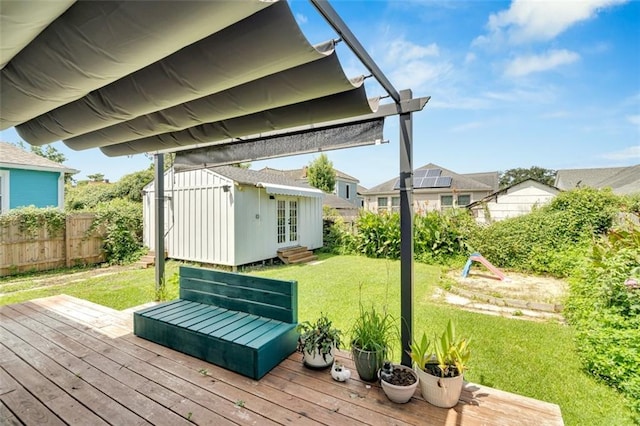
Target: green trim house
x,y
27,179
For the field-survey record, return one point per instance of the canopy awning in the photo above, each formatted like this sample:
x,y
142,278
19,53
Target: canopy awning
x,y
294,191
132,77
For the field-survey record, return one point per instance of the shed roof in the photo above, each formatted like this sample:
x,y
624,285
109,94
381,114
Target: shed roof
x,y
301,174
12,156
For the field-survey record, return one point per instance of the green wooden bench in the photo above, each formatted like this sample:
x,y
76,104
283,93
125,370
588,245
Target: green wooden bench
x,y
244,323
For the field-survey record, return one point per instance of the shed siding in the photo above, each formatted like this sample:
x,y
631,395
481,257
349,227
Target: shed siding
x,y
33,187
198,225
205,224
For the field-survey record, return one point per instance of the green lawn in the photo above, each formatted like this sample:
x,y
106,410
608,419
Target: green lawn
x,y
529,358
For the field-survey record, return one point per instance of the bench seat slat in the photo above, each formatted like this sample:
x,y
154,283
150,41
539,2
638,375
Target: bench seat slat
x,y
158,309
177,314
235,316
207,314
211,321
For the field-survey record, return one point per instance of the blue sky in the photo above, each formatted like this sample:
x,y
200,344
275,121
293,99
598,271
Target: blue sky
x,y
513,84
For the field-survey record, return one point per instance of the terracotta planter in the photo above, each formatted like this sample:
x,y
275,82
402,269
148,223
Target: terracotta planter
x,y
440,391
367,363
400,394
316,360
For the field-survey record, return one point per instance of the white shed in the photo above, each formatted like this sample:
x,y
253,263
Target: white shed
x,y
232,216
512,201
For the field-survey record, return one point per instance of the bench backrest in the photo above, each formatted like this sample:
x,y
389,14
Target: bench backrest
x,y
271,298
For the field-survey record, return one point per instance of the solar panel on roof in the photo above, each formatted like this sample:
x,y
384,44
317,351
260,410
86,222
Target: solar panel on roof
x,y
420,173
442,182
433,172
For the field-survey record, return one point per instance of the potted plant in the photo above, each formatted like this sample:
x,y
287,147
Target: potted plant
x,y
371,337
318,342
398,382
441,371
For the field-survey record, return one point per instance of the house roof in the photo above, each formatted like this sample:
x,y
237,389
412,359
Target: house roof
x,y
335,202
622,180
301,174
12,156
460,182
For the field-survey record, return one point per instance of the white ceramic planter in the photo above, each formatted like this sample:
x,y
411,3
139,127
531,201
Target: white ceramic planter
x,y
400,394
316,360
440,391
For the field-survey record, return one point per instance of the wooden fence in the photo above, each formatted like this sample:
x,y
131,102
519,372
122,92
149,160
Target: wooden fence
x,y
68,247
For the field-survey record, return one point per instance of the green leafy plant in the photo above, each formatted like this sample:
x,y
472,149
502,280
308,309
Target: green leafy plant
x,y
319,336
446,356
374,331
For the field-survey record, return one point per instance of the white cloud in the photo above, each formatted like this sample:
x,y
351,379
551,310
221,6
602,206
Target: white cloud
x,y
469,58
302,19
412,65
524,65
631,153
403,50
527,20
469,126
634,119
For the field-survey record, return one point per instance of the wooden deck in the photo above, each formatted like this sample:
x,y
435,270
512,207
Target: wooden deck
x,y
68,361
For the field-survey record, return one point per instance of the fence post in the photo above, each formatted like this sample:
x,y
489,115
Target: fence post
x,y
67,242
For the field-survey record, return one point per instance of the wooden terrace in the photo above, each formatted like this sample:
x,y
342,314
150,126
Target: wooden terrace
x,y
68,361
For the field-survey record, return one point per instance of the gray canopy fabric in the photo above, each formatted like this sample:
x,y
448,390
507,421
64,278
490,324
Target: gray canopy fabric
x,y
367,132
133,77
95,43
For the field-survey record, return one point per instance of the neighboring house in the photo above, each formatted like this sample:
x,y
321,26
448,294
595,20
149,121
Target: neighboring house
x,y
28,179
622,180
232,216
345,209
346,186
512,201
434,188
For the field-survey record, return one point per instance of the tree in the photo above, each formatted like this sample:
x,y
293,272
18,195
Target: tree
x,y
513,176
96,177
49,152
321,174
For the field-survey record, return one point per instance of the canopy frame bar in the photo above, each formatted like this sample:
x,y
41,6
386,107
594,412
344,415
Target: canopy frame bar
x,y
403,102
332,17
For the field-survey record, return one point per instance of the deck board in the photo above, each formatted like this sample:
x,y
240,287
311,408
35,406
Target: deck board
x,y
65,360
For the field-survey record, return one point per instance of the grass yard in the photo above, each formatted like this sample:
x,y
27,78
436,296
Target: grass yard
x,y
529,358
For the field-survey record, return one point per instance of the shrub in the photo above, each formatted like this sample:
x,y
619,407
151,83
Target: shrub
x,y
553,239
122,221
442,237
378,235
606,314
31,219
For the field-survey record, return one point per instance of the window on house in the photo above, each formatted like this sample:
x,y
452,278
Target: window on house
x,y
446,201
382,203
395,203
464,200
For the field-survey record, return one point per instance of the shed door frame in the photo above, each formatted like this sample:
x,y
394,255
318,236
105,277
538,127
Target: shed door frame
x,y
287,221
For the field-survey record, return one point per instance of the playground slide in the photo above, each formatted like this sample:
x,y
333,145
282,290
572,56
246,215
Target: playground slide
x,y
480,259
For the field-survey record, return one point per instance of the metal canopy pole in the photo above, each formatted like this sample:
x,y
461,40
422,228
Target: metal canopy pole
x,y
406,230
405,104
332,17
159,219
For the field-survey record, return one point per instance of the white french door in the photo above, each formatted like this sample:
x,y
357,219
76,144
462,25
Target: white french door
x,y
287,221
